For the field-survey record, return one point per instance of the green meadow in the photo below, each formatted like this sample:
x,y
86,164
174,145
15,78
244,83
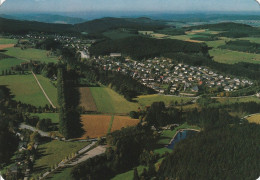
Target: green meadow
x,y
30,54
8,41
7,63
108,101
53,116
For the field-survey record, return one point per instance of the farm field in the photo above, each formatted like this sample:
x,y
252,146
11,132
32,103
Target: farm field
x,y
4,46
95,125
108,101
30,54
147,100
99,125
8,41
86,99
49,88
254,119
25,89
53,152
123,121
53,116
7,63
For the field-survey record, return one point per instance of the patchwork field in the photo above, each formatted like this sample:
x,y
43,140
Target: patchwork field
x,y
95,125
4,46
53,152
25,89
30,54
108,101
147,100
99,125
86,99
254,119
123,121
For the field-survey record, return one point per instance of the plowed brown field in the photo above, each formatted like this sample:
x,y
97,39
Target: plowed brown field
x,y
95,125
123,121
3,46
86,99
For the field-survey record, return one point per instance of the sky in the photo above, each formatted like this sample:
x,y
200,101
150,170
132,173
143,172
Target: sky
x,y
43,6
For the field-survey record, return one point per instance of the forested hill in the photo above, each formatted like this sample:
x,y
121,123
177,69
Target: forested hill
x,y
230,29
225,153
21,27
147,47
95,26
104,24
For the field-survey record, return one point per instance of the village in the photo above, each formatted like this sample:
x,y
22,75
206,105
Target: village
x,y
167,77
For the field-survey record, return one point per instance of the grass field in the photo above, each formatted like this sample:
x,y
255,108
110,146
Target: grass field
x,y
53,116
108,101
254,119
53,152
231,57
8,41
25,89
123,121
30,54
95,125
50,90
86,99
147,100
6,64
129,175
238,100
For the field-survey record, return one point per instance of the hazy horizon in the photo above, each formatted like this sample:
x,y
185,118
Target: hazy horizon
x,y
127,6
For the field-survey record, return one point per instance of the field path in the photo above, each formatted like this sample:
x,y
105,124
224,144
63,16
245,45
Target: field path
x,y
43,90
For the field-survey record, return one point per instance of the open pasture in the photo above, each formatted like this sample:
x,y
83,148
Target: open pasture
x,y
108,101
86,99
8,41
25,89
7,63
30,54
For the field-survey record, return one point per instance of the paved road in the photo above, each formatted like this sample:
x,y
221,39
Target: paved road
x,y
47,97
42,133
90,154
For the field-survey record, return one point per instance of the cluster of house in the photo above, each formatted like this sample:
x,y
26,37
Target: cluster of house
x,y
168,78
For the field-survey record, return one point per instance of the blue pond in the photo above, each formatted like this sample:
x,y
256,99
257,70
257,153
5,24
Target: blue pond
x,y
180,136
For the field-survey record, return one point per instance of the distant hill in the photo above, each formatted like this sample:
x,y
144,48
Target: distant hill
x,y
104,24
21,27
46,18
230,29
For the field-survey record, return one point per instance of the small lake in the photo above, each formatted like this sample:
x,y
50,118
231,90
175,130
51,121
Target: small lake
x,y
180,136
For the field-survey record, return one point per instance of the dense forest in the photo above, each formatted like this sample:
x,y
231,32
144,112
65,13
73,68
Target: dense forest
x,y
147,47
229,152
105,24
243,46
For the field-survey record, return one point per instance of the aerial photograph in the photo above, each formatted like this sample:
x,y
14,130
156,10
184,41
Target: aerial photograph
x,y
129,89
